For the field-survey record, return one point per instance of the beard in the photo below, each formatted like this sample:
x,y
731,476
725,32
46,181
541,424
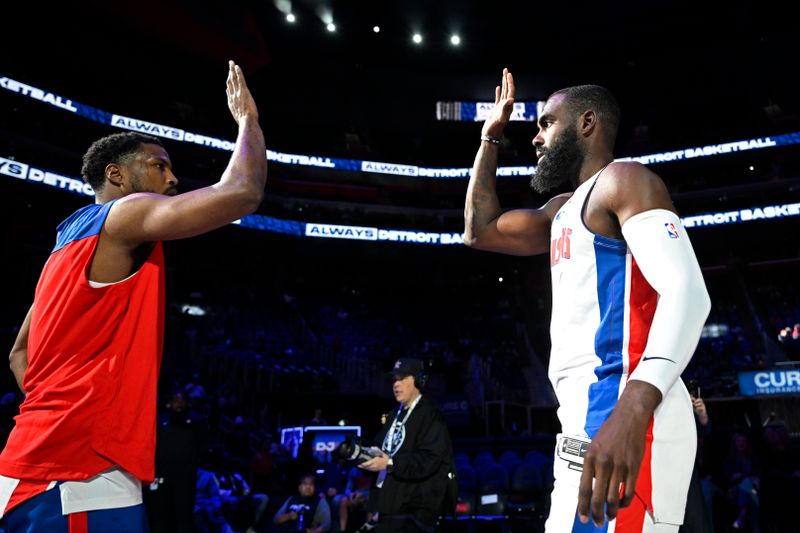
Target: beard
x,y
561,163
137,184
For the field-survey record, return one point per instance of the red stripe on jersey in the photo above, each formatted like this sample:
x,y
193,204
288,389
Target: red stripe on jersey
x,y
631,519
643,301
78,522
642,305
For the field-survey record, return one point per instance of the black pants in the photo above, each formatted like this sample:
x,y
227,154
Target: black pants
x,y
170,508
696,519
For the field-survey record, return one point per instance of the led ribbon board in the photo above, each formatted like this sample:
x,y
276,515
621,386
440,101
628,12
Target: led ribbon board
x,y
356,165
479,111
23,171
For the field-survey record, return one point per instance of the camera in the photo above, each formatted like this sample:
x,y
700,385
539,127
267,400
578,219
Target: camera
x,y
352,451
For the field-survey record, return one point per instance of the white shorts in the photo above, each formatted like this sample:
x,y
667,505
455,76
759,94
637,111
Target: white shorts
x,y
663,482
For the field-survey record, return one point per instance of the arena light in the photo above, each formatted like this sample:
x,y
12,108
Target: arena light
x,y
290,18
284,6
331,27
455,40
417,38
193,310
376,29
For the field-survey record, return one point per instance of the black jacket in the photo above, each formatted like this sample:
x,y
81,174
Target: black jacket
x,y
419,484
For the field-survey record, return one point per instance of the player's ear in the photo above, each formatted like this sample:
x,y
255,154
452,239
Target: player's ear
x,y
587,123
114,175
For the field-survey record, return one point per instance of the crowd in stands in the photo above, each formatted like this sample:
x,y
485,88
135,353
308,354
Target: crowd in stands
x,y
234,374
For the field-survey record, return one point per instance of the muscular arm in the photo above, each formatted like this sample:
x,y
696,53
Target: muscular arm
x,y
145,217
664,255
18,359
487,227
639,201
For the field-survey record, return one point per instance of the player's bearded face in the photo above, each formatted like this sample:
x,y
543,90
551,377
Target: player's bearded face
x,y
561,162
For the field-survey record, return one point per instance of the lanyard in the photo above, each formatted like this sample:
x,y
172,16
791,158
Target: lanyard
x,y
389,440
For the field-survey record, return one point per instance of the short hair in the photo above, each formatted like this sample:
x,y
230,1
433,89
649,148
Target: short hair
x,y
581,98
114,148
303,477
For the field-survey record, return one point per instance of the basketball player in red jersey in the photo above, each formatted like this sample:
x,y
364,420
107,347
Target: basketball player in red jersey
x,y
88,354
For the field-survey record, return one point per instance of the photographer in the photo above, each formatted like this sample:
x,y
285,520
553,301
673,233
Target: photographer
x,y
415,462
307,512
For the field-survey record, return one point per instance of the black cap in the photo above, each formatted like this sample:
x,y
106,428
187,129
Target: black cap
x,y
407,366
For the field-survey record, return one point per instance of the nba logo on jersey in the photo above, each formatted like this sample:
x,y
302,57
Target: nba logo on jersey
x,y
672,231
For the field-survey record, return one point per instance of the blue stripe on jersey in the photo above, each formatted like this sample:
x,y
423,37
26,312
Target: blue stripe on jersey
x,y
85,222
611,265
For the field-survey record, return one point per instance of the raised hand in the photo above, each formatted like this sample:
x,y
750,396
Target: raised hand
x,y
699,407
240,101
503,106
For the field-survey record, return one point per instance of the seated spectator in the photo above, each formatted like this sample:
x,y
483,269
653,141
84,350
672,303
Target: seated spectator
x,y
304,512
352,505
240,506
208,513
742,472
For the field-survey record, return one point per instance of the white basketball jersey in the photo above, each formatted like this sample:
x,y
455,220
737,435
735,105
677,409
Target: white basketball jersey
x,y
603,308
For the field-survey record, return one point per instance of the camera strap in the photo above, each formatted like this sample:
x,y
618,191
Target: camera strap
x,y
392,443
389,444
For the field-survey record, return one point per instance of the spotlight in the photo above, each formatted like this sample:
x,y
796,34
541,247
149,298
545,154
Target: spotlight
x,y
417,38
376,29
500,280
455,40
290,17
331,27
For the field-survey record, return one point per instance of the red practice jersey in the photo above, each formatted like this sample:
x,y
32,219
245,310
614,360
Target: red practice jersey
x,y
93,361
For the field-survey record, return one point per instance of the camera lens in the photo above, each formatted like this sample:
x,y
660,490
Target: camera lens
x,y
352,452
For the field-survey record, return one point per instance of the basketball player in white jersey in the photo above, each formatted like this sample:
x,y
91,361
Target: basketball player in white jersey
x,y
629,302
